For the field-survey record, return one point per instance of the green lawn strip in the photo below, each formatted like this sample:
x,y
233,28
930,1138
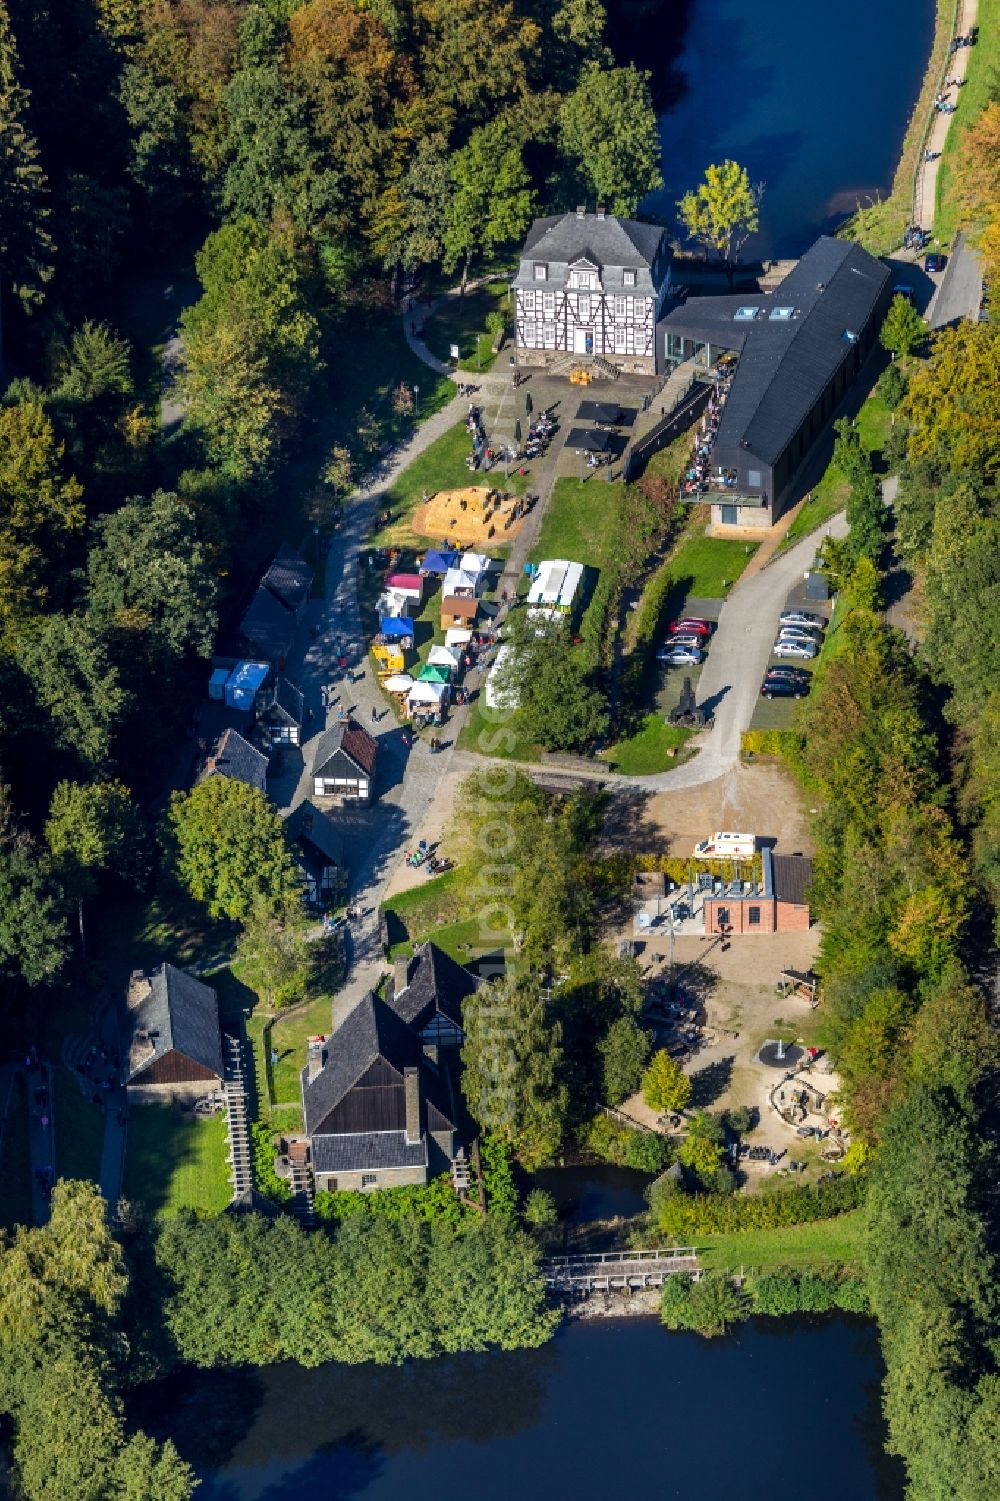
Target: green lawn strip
x,y
438,900
79,1129
708,567
833,1242
462,321
495,732
580,522
380,360
649,750
970,100
176,1160
289,1035
15,1161
830,495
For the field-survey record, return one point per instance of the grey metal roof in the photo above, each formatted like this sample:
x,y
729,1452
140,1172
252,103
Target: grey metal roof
x,y
289,578
785,363
792,874
236,758
363,1152
285,704
268,627
179,1014
607,241
435,982
310,827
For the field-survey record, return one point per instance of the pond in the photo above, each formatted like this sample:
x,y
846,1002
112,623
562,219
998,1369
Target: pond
x,y
782,1410
597,1191
812,99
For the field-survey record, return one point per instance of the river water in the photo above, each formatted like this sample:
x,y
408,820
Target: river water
x,y
813,99
781,1411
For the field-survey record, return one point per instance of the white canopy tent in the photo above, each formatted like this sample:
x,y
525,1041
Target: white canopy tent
x,y
457,635
400,682
427,696
459,582
440,656
555,586
497,696
475,562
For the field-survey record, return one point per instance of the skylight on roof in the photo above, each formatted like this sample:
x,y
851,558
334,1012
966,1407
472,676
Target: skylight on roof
x,y
782,314
744,314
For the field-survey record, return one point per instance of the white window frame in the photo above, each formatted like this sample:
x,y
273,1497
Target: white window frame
x,y
629,278
548,303
541,272
369,1180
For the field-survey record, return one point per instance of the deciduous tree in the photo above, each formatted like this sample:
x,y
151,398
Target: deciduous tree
x,y
903,329
665,1085
94,829
76,686
39,510
491,199
723,211
609,137
624,1051
227,848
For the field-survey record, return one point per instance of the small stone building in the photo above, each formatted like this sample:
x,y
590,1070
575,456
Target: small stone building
x,y
344,763
776,904
173,1045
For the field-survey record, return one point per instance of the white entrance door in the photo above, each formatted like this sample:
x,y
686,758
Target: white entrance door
x,y
582,338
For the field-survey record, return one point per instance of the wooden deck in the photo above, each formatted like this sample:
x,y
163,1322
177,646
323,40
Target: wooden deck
x,y
579,1276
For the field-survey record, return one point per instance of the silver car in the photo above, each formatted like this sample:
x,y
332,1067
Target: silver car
x,y
798,633
804,650
802,617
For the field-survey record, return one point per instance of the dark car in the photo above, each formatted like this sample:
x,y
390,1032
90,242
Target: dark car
x,y
935,262
783,670
783,688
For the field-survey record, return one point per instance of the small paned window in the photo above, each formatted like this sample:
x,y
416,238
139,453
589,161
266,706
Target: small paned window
x,y
541,272
753,917
629,278
369,1180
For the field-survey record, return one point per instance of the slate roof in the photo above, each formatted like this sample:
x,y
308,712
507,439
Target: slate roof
x,y
268,626
791,877
361,1152
184,1015
435,983
370,1031
236,758
285,706
350,738
784,364
289,578
310,827
564,238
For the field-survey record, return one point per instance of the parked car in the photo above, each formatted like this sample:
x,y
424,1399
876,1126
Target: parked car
x,y
784,687
804,650
802,617
692,623
935,262
783,671
680,656
685,638
799,633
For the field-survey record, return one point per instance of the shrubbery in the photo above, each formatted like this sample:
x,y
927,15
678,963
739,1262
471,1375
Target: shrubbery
x,y
682,1218
646,1151
435,1201
714,1302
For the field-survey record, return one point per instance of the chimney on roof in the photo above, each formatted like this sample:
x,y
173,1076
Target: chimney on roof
x,y
581,211
315,1057
600,210
411,1085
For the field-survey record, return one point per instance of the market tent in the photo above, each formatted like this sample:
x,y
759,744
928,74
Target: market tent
x,y
476,562
457,635
433,694
588,438
438,562
400,682
398,629
410,584
555,584
391,605
460,581
429,674
440,656
243,682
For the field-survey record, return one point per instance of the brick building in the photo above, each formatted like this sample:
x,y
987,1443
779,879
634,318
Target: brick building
x,y
775,904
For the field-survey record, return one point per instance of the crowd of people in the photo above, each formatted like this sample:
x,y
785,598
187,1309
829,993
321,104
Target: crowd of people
x,y
696,477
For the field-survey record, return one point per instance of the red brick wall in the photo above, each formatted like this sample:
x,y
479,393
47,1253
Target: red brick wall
x,y
791,918
739,915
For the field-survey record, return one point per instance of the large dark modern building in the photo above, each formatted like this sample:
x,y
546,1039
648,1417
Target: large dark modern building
x,y
792,354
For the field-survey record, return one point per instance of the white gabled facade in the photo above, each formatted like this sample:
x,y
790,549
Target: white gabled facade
x,y
591,286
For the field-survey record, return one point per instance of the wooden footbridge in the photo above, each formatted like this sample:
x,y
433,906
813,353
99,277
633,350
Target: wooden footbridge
x,y
579,1276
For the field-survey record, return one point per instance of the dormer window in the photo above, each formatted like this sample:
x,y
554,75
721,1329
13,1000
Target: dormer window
x,y
585,280
541,271
630,278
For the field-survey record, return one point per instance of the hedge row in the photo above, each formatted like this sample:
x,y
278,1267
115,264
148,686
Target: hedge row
x,y
683,1217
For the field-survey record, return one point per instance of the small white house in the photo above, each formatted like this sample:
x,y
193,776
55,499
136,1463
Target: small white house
x,y
555,587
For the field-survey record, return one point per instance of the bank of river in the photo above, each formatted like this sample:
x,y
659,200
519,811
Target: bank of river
x,y
781,1410
813,100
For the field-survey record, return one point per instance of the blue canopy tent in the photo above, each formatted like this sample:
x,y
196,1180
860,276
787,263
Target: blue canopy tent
x,y
438,562
396,628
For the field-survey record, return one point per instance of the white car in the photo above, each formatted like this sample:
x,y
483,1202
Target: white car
x,y
802,617
802,649
683,638
798,633
680,656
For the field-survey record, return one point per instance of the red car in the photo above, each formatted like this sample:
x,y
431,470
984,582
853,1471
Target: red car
x,y
691,626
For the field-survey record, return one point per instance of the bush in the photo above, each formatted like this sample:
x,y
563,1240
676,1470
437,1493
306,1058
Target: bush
x,y
709,1306
683,1217
265,1177
767,743
740,1120
647,1152
498,1176
540,1210
892,386
780,1292
434,1201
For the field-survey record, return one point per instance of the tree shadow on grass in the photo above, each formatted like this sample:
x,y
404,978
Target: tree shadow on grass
x,y
708,1083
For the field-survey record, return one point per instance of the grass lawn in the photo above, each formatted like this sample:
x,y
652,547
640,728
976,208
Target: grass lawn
x,y
15,1161
708,567
836,1241
439,900
462,321
141,934
79,1128
581,522
649,750
830,495
289,1035
175,1160
983,58
481,733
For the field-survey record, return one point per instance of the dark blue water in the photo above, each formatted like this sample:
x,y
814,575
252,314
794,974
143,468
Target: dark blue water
x,y
813,99
781,1411
597,1191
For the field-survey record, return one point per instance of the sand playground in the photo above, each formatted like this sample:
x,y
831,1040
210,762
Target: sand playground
x,y
470,516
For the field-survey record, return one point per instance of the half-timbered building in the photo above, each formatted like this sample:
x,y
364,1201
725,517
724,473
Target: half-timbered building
x,y
591,286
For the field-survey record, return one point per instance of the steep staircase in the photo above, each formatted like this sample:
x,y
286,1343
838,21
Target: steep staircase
x,y
234,1092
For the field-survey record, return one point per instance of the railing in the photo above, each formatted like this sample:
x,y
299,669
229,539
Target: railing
x,y
684,415
621,1258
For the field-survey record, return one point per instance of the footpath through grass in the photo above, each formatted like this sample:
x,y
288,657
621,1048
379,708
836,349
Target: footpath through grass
x,y
462,321
834,1242
970,100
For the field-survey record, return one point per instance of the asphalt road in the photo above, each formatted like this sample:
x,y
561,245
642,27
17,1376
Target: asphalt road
x,y
961,288
740,651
